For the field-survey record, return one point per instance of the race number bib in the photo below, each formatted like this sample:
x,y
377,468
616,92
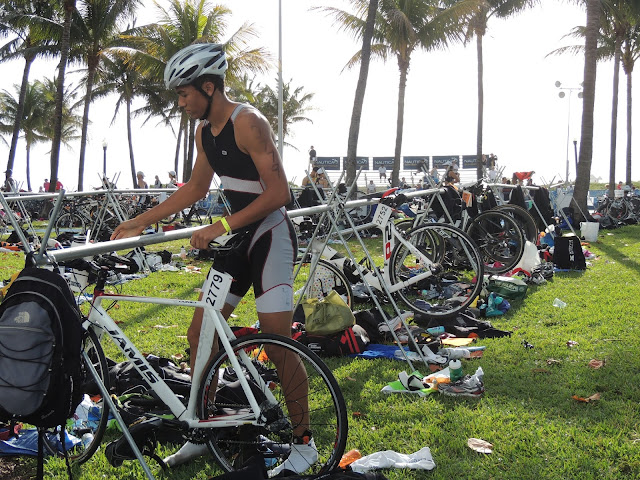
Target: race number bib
x,y
215,288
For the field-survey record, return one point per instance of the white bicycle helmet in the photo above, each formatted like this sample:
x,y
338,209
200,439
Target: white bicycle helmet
x,y
194,61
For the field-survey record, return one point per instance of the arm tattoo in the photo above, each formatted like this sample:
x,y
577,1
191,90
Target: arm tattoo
x,y
263,135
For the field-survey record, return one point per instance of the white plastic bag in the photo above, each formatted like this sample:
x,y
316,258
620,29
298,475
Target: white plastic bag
x,y
530,258
420,460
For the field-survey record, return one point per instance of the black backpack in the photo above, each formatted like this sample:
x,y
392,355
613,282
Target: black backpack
x,y
568,254
40,350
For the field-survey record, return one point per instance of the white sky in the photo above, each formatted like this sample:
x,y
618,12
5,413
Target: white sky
x,y
525,122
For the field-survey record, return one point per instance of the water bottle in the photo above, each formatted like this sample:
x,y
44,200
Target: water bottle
x,y
455,370
86,439
183,253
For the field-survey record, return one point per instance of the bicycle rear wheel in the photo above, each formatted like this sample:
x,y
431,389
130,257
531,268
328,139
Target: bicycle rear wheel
x,y
525,220
326,277
92,415
452,264
70,222
317,398
500,240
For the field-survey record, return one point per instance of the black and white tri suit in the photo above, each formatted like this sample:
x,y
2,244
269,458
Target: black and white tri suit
x,y
267,261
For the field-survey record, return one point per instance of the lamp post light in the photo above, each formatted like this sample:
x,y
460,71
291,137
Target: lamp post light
x,y
562,94
104,158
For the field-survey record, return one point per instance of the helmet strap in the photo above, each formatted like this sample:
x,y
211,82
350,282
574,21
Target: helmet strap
x,y
209,100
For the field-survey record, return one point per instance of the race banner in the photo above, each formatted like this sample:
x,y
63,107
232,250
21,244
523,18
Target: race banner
x,y
413,163
469,161
382,162
360,162
439,161
328,163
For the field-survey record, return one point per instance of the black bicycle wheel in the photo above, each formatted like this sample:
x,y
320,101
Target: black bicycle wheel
x,y
441,273
326,277
70,223
86,431
499,239
524,219
618,210
313,401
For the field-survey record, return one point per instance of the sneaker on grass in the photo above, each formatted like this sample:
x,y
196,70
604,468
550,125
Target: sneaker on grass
x,y
467,386
301,458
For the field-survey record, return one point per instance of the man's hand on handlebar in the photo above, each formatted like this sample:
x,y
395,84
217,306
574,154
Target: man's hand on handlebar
x,y
129,228
203,236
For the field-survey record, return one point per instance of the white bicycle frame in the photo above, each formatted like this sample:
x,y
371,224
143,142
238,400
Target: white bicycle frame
x,y
215,290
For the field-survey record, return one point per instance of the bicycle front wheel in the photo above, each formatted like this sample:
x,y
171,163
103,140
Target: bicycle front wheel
x,y
307,397
85,432
440,274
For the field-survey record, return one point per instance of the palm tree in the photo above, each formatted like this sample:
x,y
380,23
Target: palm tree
x,y
183,23
295,106
361,86
94,30
117,76
594,12
630,53
69,9
477,25
36,110
29,23
401,28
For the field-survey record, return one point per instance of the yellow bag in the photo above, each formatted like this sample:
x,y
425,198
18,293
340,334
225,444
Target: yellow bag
x,y
327,316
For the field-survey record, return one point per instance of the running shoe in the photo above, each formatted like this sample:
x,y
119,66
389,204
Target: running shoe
x,y
467,386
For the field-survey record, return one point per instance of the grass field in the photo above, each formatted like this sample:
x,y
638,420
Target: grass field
x,y
527,412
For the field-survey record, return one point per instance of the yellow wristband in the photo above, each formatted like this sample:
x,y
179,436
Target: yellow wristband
x,y
225,224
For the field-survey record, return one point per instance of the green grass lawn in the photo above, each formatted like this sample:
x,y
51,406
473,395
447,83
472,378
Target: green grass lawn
x,y
527,412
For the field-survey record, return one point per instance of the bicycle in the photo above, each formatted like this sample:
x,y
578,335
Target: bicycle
x,y
436,269
261,422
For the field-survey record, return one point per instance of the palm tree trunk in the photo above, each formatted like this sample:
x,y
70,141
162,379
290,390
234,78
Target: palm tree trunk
x,y
69,7
614,116
402,88
16,126
178,143
480,106
85,121
589,87
28,166
629,110
361,87
130,139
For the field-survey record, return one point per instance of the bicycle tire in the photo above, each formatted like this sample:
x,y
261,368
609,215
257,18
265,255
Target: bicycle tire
x,y
525,220
326,277
326,406
618,210
70,222
456,270
96,417
500,240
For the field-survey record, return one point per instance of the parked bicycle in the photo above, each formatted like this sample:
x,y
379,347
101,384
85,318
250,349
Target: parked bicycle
x,y
261,422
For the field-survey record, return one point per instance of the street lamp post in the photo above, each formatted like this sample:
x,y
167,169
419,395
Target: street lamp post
x,y
575,153
562,94
104,158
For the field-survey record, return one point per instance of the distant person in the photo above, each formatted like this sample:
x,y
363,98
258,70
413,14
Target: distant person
x,y
323,181
46,184
492,174
403,183
619,186
435,176
157,183
311,178
142,185
173,180
451,176
371,188
9,182
312,156
59,185
382,171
